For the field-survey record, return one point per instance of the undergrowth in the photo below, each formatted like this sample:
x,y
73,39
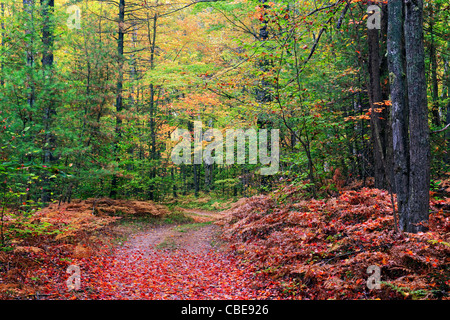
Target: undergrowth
x,y
321,249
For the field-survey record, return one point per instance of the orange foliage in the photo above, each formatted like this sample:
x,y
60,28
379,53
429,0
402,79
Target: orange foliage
x,y
321,249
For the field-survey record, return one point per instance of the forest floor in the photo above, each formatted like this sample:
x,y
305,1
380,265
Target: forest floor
x,y
277,246
173,262
142,260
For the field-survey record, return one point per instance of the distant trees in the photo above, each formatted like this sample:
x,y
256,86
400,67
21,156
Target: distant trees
x,y
96,106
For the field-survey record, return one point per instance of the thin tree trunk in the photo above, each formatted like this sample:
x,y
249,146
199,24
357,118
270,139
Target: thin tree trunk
x,y
387,111
174,185
196,168
152,41
262,94
434,79
376,100
447,95
119,88
151,33
2,10
28,7
49,109
447,134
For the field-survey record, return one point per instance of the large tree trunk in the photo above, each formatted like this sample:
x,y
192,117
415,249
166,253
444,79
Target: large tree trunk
x,y
419,177
399,105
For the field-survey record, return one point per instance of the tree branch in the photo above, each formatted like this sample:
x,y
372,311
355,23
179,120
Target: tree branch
x,y
443,129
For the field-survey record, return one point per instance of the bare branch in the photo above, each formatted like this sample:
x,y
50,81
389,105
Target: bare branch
x,y
443,129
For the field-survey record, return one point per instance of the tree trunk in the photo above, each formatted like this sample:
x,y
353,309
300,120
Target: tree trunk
x,y
434,79
262,93
49,109
376,99
446,95
447,135
174,185
386,127
2,26
151,33
196,168
28,7
119,87
208,176
399,105
47,64
152,123
419,177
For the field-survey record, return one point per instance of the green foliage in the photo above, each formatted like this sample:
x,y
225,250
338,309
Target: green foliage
x,y
208,64
23,226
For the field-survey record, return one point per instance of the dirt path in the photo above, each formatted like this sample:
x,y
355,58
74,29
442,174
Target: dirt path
x,y
172,262
192,237
195,237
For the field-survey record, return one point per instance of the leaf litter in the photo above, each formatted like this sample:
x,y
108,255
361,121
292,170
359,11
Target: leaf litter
x,y
276,246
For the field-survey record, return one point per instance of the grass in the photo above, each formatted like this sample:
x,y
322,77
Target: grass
x,y
170,241
167,243
142,222
192,226
183,222
204,201
129,225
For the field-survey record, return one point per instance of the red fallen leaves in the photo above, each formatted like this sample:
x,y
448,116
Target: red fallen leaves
x,y
136,272
320,250
300,249
149,273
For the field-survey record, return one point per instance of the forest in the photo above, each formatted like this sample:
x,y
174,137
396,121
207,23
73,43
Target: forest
x,y
309,140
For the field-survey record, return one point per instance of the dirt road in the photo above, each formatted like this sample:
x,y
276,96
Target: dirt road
x,y
171,262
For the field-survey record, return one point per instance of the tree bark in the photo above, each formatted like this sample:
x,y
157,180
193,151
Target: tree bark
x,y
434,79
119,88
376,99
47,65
419,177
262,93
447,134
399,105
196,168
447,95
49,109
28,7
2,27
152,40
